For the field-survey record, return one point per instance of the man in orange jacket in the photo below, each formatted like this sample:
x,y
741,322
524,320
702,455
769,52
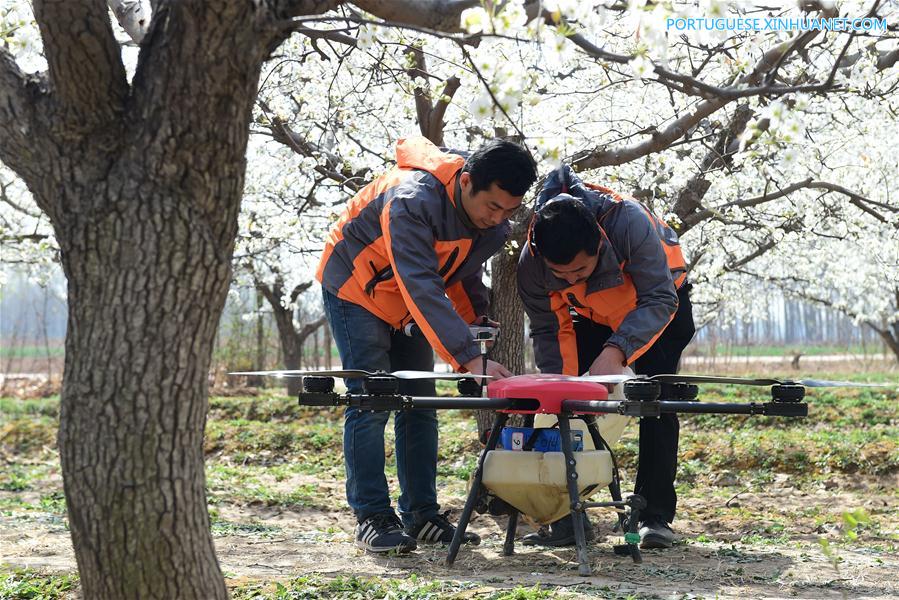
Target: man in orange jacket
x,y
603,282
411,247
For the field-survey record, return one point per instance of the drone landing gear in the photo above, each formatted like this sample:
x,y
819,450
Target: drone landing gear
x,y
628,510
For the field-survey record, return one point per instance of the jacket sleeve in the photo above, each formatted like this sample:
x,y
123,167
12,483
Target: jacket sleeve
x,y
634,237
469,296
410,248
552,330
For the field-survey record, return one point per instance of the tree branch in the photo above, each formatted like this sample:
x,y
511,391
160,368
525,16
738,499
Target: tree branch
x,y
133,16
441,15
809,183
85,63
334,168
717,97
19,97
430,114
309,328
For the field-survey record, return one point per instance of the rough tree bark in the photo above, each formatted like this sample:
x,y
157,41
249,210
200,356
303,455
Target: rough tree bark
x,y
142,184
506,308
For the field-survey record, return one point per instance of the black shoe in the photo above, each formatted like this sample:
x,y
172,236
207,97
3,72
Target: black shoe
x,y
438,530
558,533
383,532
655,532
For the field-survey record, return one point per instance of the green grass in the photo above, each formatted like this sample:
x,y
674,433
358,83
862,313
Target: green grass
x,y
782,350
353,587
30,351
27,584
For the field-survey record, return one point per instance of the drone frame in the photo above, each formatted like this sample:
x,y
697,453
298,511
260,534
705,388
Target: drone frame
x,y
644,398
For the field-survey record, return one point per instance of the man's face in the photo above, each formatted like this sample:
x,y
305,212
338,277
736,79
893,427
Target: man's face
x,y
578,270
487,208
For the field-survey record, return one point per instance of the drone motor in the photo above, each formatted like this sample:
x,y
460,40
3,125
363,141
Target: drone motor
x,y
381,386
318,385
642,389
787,392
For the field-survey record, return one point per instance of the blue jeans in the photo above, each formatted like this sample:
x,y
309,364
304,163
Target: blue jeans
x,y
366,342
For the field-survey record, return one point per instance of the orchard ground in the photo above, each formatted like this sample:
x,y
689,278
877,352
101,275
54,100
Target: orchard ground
x,y
768,508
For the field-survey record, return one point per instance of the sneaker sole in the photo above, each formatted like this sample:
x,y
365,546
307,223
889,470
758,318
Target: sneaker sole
x,y
400,549
651,542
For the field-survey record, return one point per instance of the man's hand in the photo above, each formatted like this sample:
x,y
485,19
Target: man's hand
x,y
485,321
609,362
476,367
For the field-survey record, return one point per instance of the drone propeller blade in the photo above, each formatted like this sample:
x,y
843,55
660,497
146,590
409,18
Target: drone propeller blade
x,y
613,379
353,373
677,378
828,383
296,373
759,381
435,375
265,373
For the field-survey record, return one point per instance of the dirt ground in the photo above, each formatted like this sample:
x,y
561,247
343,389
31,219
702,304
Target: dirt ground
x,y
742,537
711,562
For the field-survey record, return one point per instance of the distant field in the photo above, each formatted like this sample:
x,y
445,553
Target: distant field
x,y
784,350
8,350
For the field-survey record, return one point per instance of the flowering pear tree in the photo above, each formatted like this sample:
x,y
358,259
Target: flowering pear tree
x,y
760,147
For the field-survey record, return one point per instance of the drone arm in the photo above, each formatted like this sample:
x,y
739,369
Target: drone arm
x,y
653,408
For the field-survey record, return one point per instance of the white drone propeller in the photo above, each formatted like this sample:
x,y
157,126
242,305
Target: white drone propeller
x,y
354,373
676,378
760,381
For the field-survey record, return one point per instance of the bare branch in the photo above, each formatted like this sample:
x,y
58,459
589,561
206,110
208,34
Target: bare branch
x,y
430,114
334,168
855,199
299,289
760,249
886,60
284,9
441,15
84,60
4,197
689,199
309,328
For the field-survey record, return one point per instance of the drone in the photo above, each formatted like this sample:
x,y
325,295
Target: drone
x,y
548,485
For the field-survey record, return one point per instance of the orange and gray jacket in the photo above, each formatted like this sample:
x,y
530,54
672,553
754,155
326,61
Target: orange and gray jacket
x,y
632,290
405,250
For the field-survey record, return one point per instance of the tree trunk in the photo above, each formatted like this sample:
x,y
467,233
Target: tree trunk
x,y
291,345
509,312
889,333
142,322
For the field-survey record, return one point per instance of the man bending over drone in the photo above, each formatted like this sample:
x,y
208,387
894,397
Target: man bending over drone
x,y
410,246
603,282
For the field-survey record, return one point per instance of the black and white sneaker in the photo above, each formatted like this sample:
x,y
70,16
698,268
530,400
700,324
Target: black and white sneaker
x,y
656,533
383,532
438,530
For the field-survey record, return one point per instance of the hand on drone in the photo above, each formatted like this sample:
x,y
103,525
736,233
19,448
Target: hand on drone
x,y
610,361
494,369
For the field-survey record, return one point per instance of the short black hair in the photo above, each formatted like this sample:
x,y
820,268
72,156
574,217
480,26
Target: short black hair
x,y
508,164
564,227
